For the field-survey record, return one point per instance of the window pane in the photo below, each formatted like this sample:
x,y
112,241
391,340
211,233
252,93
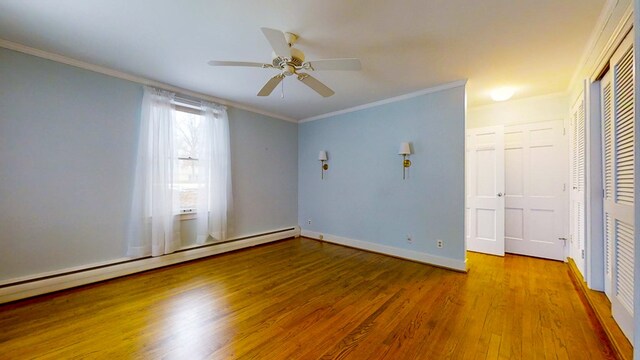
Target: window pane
x,y
188,183
187,134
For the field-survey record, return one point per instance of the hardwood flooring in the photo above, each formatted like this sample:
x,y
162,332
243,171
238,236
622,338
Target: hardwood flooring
x,y
600,306
303,299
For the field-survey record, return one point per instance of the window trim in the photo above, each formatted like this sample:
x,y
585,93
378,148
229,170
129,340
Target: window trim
x,y
187,109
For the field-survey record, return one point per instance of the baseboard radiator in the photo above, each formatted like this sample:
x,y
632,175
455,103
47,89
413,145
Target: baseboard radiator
x,y
22,288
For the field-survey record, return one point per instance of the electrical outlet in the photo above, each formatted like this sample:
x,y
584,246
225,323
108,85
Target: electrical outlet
x,y
409,239
309,221
440,244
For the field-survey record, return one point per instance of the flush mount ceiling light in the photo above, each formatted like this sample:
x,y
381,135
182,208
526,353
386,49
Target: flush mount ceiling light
x,y
502,94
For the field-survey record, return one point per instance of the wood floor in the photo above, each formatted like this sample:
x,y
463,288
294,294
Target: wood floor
x,y
303,299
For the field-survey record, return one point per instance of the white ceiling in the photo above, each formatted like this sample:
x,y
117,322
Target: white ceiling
x,y
405,46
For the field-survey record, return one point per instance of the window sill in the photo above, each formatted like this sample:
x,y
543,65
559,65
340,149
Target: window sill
x,y
188,214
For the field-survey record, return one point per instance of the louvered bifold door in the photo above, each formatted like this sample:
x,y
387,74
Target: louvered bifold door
x,y
621,210
577,209
606,96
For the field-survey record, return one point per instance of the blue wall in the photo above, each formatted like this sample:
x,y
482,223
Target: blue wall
x,y
363,196
264,157
68,141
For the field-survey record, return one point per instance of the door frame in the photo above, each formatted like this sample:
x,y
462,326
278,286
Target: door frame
x,y
594,188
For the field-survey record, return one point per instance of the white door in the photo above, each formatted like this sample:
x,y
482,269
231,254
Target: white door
x,y
606,106
619,206
485,188
535,197
577,206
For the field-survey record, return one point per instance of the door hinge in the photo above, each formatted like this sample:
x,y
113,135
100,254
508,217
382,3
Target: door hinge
x,y
582,253
564,131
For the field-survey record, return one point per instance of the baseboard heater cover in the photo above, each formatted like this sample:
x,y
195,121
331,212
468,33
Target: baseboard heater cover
x,y
65,279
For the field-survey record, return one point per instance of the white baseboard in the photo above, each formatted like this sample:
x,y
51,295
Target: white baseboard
x,y
38,287
453,264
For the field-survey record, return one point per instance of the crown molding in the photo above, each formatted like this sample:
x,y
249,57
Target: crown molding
x,y
430,90
623,26
133,78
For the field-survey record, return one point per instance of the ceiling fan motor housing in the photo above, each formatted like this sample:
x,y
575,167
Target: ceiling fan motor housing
x,y
296,60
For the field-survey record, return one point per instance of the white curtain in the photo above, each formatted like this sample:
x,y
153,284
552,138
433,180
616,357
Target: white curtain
x,y
215,201
155,228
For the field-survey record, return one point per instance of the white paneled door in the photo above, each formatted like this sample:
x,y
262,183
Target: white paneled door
x,y
485,190
535,193
517,190
618,126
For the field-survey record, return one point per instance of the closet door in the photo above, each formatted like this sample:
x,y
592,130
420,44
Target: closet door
x,y
619,210
577,208
606,96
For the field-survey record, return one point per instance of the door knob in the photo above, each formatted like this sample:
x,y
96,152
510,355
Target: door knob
x,y
499,194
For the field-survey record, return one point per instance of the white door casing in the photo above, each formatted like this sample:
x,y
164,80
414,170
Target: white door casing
x,y
536,189
485,189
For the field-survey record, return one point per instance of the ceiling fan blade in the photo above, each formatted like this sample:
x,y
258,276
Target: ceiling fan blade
x,y
277,41
336,64
315,84
234,63
270,85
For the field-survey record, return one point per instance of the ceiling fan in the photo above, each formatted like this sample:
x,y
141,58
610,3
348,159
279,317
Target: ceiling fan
x,y
291,61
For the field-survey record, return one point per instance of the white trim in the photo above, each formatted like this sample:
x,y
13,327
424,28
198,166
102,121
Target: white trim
x,y
430,90
133,78
619,33
66,270
453,264
596,34
39,287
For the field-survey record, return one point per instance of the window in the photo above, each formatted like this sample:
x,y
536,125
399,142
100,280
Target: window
x,y
183,166
187,131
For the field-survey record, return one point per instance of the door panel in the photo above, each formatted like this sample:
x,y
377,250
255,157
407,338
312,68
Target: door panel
x,y
485,185
535,198
606,86
620,186
578,157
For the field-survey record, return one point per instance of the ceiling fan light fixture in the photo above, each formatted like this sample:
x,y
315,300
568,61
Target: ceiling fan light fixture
x,y
288,70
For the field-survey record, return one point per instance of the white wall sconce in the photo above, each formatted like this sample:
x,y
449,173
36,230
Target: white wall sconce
x,y
322,156
405,151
